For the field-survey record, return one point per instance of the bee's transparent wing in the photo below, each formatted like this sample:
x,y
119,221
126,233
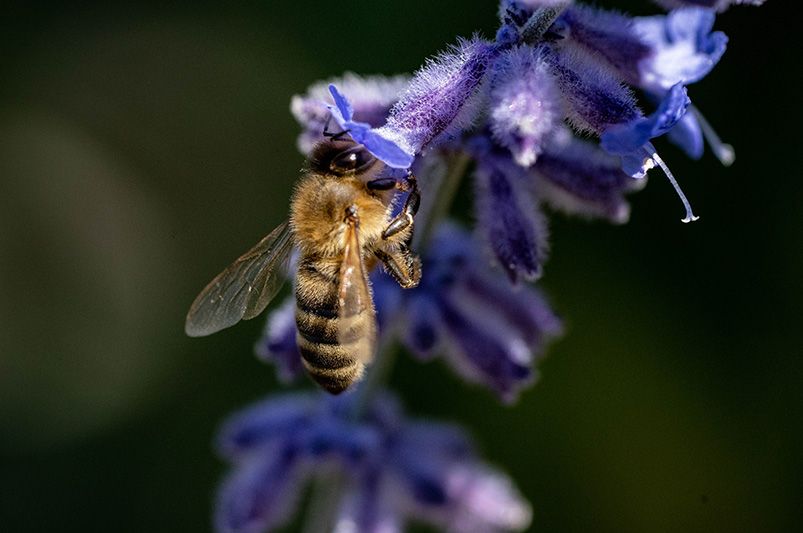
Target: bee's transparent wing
x,y
245,288
356,315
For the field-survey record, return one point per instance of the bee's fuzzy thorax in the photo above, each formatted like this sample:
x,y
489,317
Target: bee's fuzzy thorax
x,y
318,211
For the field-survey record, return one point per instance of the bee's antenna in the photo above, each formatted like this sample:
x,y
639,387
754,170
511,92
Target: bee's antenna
x,y
332,135
326,132
337,136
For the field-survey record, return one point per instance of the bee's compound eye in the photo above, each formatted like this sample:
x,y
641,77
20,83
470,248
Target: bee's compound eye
x,y
351,160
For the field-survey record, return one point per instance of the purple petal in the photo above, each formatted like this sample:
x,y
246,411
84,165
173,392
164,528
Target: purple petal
x,y
524,311
490,357
439,102
508,218
276,419
420,458
632,136
636,163
386,150
422,335
367,508
342,439
688,136
438,474
535,4
371,98
485,500
278,342
685,48
609,35
261,494
578,178
597,100
374,141
343,105
719,5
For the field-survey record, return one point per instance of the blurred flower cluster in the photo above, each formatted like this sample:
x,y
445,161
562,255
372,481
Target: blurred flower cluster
x,y
390,469
559,111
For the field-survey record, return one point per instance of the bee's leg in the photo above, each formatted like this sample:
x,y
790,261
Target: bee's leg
x,y
402,265
405,219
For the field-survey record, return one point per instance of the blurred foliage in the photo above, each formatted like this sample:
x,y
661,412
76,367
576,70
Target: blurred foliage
x,y
143,147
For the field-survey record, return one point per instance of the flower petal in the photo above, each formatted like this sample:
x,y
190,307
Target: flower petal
x,y
279,418
261,494
626,138
596,99
439,102
278,342
367,508
485,500
719,5
494,359
371,98
609,35
685,48
508,217
374,141
422,335
577,177
688,136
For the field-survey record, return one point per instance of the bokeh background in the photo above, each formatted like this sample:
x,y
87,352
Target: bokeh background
x,y
144,147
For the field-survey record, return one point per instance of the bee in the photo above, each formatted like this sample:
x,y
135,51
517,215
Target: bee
x,y
341,223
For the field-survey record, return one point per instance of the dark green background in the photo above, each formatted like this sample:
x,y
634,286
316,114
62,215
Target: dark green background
x,y
143,148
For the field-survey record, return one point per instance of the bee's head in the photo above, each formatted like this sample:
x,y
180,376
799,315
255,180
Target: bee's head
x,y
340,157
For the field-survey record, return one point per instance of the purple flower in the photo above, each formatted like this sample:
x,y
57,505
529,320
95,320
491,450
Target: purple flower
x,y
261,494
596,99
631,140
535,4
382,147
525,104
605,35
442,98
437,105
653,54
507,213
719,5
395,469
684,48
489,333
578,178
278,342
688,136
371,98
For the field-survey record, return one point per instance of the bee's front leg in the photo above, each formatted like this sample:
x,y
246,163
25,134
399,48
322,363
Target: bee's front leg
x,y
404,220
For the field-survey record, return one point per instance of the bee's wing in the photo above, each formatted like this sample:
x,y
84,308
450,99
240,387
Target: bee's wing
x,y
245,288
356,315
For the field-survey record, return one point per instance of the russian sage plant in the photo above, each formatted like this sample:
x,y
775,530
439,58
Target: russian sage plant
x,y
559,110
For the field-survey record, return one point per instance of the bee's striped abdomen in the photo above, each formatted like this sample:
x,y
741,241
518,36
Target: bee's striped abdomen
x,y
325,340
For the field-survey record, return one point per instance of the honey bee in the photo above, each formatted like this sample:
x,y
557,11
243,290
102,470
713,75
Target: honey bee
x,y
342,225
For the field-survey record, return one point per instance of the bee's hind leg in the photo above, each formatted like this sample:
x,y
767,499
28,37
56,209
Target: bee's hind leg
x,y
402,265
